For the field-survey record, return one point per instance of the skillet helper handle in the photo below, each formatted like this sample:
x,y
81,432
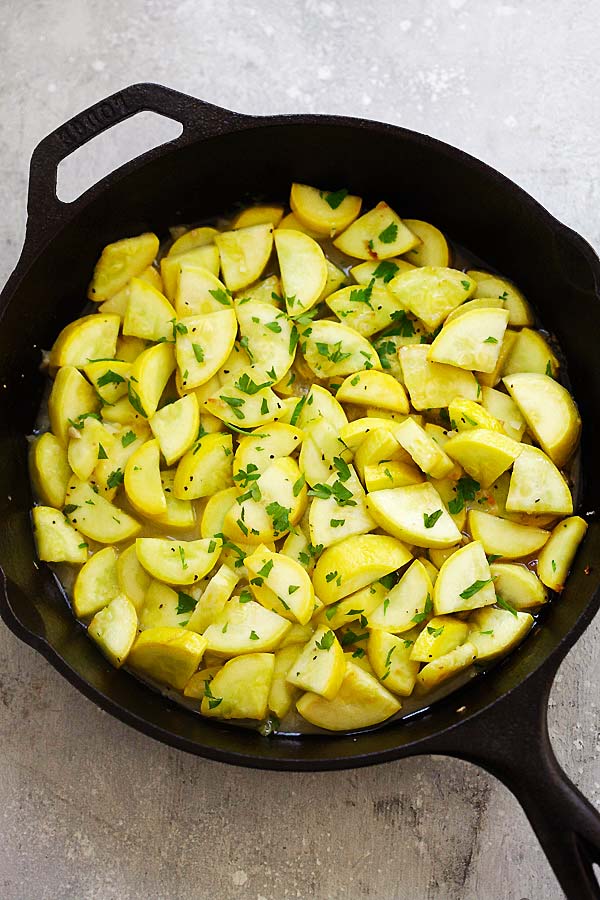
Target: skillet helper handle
x,y
512,742
199,119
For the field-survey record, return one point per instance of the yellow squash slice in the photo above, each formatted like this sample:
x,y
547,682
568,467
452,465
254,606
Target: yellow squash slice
x,y
175,426
206,468
240,690
464,581
558,554
373,388
431,292
415,514
360,702
324,212
281,584
244,254
503,538
432,249
55,538
178,562
320,666
303,270
203,344
471,341
114,629
121,261
356,562
97,517
549,411
86,339
245,626
142,480
96,583
49,469
432,385
378,234
496,631
536,485
149,315
488,285
148,378
169,655
258,215
407,604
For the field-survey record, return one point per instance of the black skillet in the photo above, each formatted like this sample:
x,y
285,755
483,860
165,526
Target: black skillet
x,y
498,720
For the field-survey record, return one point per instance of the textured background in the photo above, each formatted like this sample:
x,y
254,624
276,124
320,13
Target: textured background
x,y
90,809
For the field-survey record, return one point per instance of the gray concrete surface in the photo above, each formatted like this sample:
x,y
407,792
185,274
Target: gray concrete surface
x,y
90,809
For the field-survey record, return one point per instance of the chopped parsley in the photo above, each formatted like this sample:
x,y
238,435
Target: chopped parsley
x,y
280,516
298,485
351,637
102,454
79,422
420,617
128,438
247,386
213,701
109,377
435,632
429,519
245,476
466,488
221,296
335,198
326,642
342,468
363,295
389,234
405,326
311,552
340,493
234,404
134,399
385,349
474,589
504,604
115,479
386,270
184,564
185,603
297,410
264,572
334,355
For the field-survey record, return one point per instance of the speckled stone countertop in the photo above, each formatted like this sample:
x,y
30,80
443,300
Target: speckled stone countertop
x,y
90,809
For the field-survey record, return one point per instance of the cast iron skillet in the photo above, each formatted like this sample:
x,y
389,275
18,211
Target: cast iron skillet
x,y
498,721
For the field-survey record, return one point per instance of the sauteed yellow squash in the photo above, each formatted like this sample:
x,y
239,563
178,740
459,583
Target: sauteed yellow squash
x,y
301,462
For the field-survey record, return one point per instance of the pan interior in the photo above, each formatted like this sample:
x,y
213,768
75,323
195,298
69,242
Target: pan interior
x,y
421,178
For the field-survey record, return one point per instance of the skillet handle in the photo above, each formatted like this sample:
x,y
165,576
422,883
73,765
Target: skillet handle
x,y
199,119
513,744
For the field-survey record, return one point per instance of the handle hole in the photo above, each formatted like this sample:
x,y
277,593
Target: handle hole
x,y
123,142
